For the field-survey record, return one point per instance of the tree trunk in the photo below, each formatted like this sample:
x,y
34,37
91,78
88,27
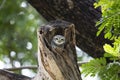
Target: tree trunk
x,y
80,12
57,63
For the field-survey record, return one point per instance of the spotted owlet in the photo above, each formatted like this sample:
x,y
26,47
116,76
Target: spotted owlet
x,y
58,41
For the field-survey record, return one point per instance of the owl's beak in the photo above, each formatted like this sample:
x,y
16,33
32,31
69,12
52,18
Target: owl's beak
x,y
59,41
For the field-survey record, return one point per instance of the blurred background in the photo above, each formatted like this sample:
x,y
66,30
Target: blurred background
x,y
18,39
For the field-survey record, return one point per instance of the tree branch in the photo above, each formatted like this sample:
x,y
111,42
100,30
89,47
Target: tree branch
x,y
80,12
19,68
33,67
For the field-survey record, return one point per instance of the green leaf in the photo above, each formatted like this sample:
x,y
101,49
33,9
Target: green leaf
x,y
113,52
108,35
93,67
100,29
108,48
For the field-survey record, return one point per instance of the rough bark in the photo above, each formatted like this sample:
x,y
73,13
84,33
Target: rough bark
x,y
5,75
57,63
79,12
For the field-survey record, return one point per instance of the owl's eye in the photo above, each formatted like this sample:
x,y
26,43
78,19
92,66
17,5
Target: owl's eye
x,y
62,39
56,38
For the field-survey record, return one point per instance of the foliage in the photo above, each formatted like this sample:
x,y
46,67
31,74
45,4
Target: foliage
x,y
18,40
105,71
110,25
113,52
94,66
110,72
110,21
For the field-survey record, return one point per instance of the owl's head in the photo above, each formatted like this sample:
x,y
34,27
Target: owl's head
x,y
59,39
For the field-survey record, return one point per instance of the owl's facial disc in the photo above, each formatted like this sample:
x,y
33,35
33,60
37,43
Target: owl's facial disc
x,y
59,39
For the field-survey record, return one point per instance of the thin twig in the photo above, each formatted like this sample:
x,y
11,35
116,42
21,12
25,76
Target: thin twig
x,y
80,63
33,67
19,68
